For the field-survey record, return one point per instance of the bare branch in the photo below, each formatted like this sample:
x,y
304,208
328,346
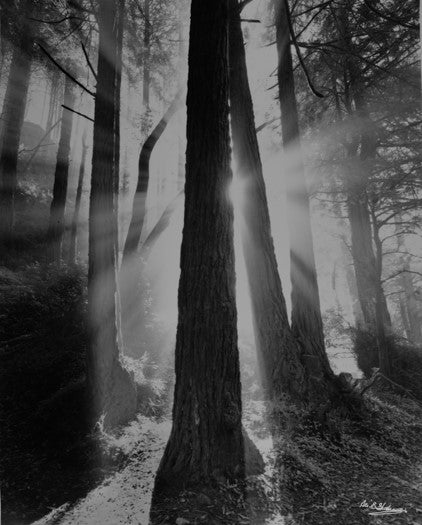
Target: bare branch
x,y
77,112
323,4
88,61
64,71
392,276
299,53
265,124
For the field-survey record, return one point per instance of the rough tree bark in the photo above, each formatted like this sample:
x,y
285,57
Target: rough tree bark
x,y
206,442
58,204
13,116
111,387
75,218
278,353
306,321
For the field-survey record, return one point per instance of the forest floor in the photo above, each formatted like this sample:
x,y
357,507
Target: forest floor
x,y
319,474
324,483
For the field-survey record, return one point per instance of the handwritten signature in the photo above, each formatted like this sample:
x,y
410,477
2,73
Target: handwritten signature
x,y
380,509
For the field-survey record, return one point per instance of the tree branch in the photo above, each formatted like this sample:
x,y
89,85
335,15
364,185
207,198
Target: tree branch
x,y
64,71
88,61
390,18
265,124
54,21
77,112
299,53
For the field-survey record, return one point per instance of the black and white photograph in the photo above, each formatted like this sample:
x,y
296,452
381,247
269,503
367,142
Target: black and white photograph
x,y
210,262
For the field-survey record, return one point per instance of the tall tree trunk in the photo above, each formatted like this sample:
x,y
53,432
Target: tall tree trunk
x,y
181,80
368,266
112,388
306,321
206,442
146,80
58,204
13,117
381,311
75,218
139,199
278,353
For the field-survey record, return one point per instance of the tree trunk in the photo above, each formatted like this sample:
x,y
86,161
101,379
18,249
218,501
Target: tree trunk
x,y
383,321
54,95
368,267
112,388
306,321
278,352
58,204
75,218
146,80
139,199
206,442
351,279
414,330
408,305
13,117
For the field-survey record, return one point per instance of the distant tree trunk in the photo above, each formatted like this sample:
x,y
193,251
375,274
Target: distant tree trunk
x,y
111,387
54,97
146,80
368,267
75,218
306,321
162,224
278,353
39,145
408,306
414,328
206,442
381,311
351,282
58,204
139,199
13,117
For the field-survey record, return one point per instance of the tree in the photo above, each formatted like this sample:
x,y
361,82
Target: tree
x,y
361,151
206,441
13,115
58,204
306,321
75,218
139,199
147,53
111,387
278,352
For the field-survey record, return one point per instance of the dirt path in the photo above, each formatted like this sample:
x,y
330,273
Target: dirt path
x,y
124,497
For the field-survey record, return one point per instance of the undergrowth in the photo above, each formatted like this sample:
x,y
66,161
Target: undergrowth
x,y
49,454
327,470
